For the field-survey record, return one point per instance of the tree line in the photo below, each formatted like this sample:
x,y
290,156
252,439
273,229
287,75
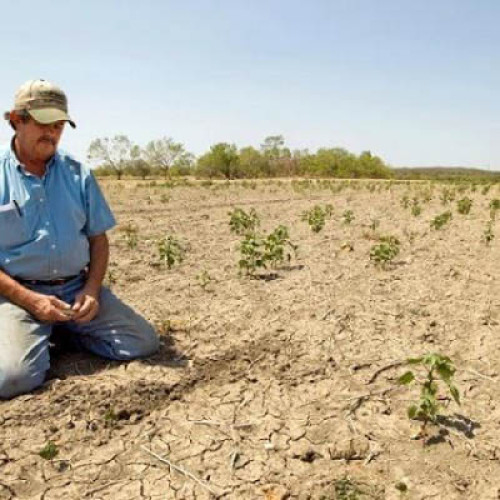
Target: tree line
x,y
119,156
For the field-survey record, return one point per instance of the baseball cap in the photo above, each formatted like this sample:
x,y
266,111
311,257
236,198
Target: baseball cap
x,y
45,102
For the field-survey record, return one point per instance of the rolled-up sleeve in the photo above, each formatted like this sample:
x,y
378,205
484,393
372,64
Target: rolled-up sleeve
x,y
99,216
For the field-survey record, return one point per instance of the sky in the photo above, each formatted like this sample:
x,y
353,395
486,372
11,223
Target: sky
x,y
414,82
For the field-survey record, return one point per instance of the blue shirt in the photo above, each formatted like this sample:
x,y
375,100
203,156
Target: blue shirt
x,y
45,222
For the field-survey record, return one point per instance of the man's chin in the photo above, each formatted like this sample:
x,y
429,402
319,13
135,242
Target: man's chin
x,y
46,150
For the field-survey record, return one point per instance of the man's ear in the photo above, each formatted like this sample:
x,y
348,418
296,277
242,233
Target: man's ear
x,y
14,117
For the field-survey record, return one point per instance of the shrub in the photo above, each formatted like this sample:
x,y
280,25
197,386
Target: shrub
x,y
385,251
348,216
171,251
441,220
258,251
242,223
488,234
447,195
464,205
49,451
416,209
494,206
437,367
316,217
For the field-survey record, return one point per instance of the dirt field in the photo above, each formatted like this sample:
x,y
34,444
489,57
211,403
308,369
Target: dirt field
x,y
282,387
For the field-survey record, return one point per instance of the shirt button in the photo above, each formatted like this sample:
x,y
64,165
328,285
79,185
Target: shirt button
x,y
47,223
53,247
42,200
54,271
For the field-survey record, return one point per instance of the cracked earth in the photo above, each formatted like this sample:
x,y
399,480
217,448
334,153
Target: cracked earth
x,y
275,388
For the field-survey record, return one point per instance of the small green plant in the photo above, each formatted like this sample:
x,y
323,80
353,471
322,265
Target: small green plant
x,y
494,207
278,247
441,220
316,217
258,251
346,489
252,254
164,198
204,279
416,209
405,201
171,251
385,251
110,416
49,451
348,216
464,205
131,236
426,409
447,195
488,234
486,189
242,223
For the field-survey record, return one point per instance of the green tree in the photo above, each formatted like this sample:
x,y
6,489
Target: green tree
x,y
332,162
112,153
372,167
252,163
138,166
165,154
279,157
222,161
273,146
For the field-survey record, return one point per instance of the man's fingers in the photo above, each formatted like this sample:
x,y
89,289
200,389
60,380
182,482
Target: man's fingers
x,y
61,317
60,304
88,314
87,308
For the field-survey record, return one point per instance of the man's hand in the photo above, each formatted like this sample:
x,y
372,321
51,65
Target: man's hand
x,y
86,306
48,308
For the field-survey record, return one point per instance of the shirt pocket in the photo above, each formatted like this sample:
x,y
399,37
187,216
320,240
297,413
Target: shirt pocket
x,y
13,227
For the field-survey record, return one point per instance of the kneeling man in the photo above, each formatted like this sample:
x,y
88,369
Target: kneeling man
x,y
54,250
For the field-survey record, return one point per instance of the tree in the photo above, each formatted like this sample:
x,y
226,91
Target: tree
x,y
272,146
138,166
163,154
113,153
221,161
252,163
372,166
277,155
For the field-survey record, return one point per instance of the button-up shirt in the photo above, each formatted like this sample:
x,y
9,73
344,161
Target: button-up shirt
x,y
46,222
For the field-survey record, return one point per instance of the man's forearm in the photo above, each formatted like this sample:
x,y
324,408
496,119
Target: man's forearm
x,y
14,291
99,256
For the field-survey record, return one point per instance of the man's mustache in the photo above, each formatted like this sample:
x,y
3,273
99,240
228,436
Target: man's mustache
x,y
48,139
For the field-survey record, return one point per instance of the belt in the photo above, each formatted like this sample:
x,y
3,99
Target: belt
x,y
56,282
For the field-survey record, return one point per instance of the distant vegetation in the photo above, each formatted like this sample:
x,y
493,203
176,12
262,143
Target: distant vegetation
x,y
446,174
119,156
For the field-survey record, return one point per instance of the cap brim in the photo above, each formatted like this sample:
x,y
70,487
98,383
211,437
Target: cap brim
x,y
50,115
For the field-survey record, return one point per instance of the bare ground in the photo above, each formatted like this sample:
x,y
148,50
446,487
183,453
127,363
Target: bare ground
x,y
283,387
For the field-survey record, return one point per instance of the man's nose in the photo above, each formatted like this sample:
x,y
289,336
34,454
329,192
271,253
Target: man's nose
x,y
52,128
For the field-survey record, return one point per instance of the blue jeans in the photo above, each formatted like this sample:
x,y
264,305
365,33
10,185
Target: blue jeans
x,y
117,332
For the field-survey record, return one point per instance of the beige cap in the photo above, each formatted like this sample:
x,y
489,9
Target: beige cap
x,y
45,102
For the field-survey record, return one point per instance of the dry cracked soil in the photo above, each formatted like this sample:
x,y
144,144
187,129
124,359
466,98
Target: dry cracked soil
x,y
282,386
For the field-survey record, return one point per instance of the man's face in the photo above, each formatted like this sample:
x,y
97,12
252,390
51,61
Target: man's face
x,y
37,142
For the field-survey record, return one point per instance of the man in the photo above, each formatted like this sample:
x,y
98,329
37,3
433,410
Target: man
x,y
54,250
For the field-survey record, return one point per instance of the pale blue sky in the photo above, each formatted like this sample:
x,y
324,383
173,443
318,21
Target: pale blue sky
x,y
416,82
